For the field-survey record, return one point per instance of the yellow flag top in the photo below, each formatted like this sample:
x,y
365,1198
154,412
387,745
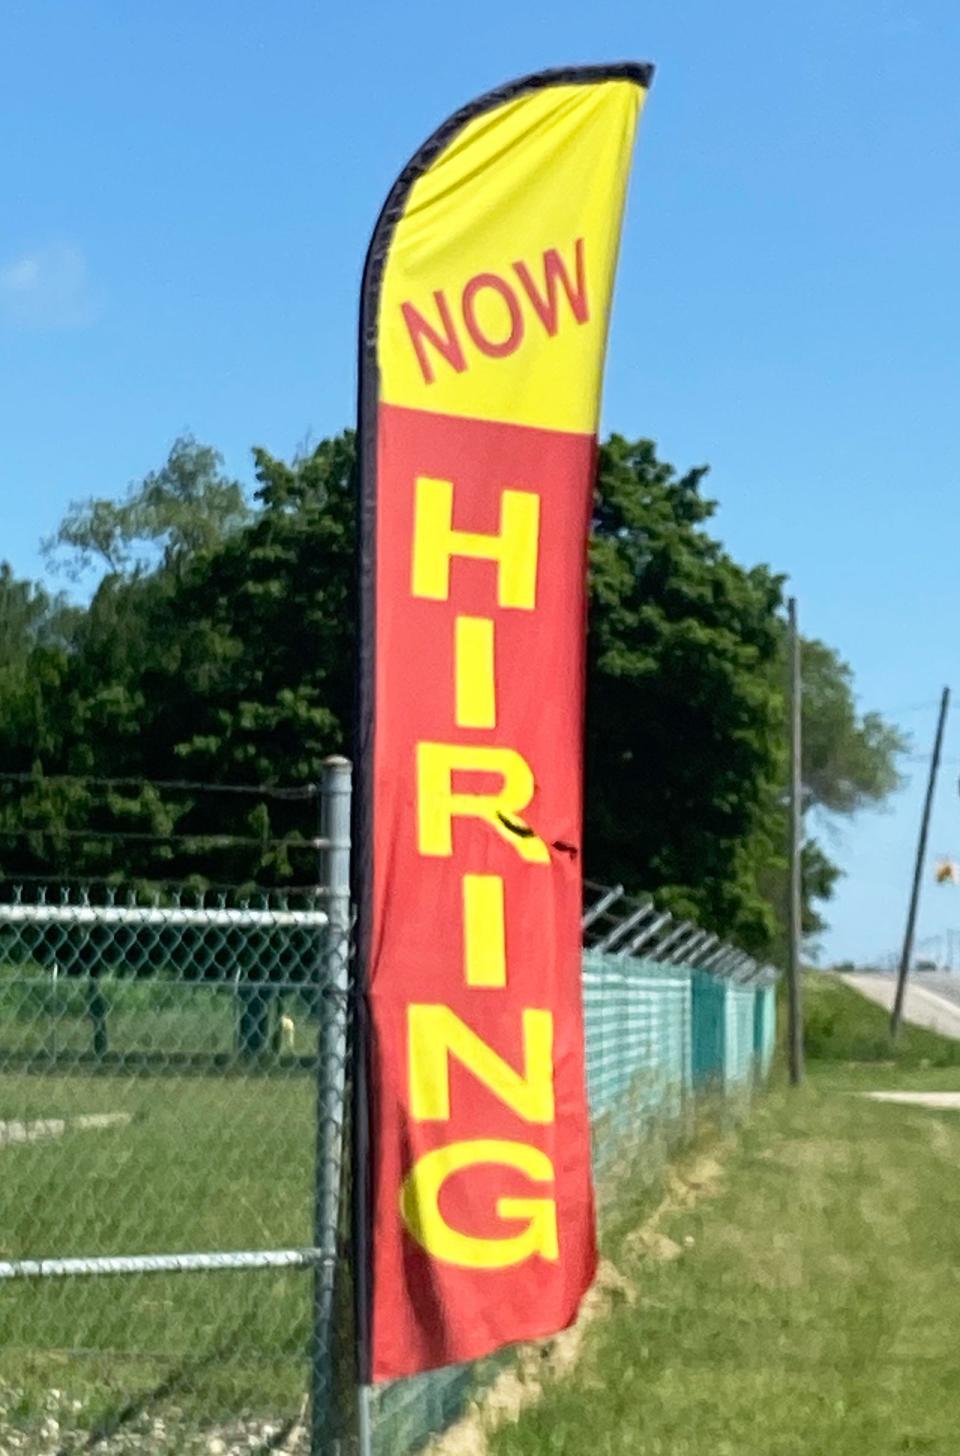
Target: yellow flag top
x,y
497,283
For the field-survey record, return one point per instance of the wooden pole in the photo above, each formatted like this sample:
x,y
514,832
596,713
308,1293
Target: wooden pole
x,y
906,955
795,846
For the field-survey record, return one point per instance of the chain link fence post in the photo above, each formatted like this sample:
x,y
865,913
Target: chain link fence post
x,y
326,1422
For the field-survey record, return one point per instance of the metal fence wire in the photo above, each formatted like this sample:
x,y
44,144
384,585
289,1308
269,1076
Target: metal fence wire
x,y
172,1093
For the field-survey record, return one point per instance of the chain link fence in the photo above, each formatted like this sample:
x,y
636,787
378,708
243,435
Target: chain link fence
x,y
172,1093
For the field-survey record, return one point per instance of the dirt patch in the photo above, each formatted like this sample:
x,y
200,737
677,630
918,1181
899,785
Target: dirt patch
x,y
685,1186
651,1244
701,1180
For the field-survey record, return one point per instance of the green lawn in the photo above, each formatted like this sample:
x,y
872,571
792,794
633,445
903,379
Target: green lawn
x,y
848,1042
812,1311
814,1307
212,1162
162,1017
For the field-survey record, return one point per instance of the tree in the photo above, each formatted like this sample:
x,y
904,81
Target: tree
x,y
849,760
185,508
268,659
91,712
226,659
682,719
35,631
219,646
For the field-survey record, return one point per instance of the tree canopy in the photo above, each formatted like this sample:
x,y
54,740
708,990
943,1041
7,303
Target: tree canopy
x,y
218,646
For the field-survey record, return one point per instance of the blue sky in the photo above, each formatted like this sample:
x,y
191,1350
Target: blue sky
x,y
187,195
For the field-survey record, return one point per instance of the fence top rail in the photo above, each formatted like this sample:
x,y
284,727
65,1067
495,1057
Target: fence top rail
x,y
602,970
161,916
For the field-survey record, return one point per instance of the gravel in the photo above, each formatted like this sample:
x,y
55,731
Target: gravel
x,y
60,1430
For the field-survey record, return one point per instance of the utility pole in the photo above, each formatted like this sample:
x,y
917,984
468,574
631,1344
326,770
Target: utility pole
x,y
907,953
795,846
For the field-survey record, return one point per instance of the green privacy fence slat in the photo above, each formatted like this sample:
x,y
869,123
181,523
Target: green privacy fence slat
x,y
739,1026
765,1028
709,1030
637,1022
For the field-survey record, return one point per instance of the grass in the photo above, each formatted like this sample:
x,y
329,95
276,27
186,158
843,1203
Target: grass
x,y
814,1306
845,1034
812,1311
149,1018
205,1163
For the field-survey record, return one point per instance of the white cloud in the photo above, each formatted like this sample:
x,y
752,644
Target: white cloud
x,y
48,288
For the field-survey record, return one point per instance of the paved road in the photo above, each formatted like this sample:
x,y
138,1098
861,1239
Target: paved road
x,y
932,1000
943,984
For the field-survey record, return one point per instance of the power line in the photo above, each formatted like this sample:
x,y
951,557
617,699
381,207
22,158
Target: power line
x,y
930,704
263,791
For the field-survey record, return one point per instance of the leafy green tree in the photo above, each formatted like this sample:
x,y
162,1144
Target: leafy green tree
x,y
223,656
849,760
184,509
90,671
683,722
219,646
267,666
35,632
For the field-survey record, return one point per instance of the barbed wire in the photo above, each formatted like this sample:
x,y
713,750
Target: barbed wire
x,y
89,881
198,841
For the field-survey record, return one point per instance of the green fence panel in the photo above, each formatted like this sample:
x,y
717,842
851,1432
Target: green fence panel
x,y
739,1022
637,1021
765,1028
709,1030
